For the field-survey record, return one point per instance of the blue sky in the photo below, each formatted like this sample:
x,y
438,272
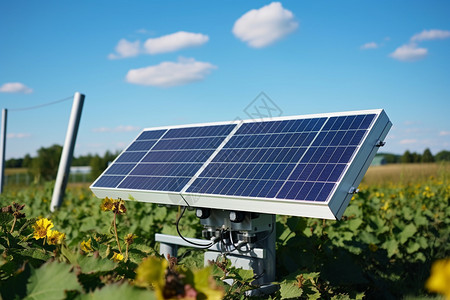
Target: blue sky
x,y
153,63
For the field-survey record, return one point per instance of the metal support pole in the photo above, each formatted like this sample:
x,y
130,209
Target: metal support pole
x,y
3,148
67,153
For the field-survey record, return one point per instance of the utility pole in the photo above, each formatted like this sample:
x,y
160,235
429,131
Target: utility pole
x,y
67,152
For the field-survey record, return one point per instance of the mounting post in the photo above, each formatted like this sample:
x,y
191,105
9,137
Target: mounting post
x,y
67,152
3,148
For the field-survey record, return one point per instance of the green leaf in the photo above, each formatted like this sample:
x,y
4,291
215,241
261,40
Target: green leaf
x,y
51,281
296,224
245,275
353,224
391,246
289,289
90,264
412,247
368,238
407,232
205,285
119,292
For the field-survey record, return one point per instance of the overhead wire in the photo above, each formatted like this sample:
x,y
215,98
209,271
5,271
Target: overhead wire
x,y
41,105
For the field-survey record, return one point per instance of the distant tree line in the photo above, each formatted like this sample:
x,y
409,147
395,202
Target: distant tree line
x,y
414,157
45,165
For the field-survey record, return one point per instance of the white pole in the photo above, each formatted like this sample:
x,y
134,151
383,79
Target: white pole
x,y
67,152
3,148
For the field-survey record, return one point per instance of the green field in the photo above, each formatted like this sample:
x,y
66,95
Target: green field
x,y
383,248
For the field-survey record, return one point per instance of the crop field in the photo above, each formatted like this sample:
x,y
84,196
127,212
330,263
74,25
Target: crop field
x,y
392,233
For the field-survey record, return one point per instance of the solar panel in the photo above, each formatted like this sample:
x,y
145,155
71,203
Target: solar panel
x,y
300,165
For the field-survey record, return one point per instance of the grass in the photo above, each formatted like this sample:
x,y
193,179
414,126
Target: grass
x,y
405,173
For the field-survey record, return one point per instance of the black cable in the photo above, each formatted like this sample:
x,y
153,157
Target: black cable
x,y
186,240
41,105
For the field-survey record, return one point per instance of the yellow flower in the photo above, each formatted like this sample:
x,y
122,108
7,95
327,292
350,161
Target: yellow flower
x,y
107,204
385,206
439,280
117,257
119,207
55,237
41,228
86,247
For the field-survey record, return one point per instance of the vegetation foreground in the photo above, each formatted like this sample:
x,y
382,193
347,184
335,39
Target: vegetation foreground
x,y
393,242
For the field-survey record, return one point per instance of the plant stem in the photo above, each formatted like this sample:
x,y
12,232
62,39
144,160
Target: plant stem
x,y
115,232
126,252
14,224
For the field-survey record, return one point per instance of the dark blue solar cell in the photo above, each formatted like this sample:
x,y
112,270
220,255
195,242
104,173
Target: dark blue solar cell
x,y
325,192
329,124
337,138
347,138
296,187
304,191
315,173
120,169
347,122
151,135
365,124
314,192
166,169
141,145
336,173
357,137
317,155
326,172
335,157
218,130
108,181
130,157
174,184
306,172
258,187
338,123
265,189
327,155
347,155
357,122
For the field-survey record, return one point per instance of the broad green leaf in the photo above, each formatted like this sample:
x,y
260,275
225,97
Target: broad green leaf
x,y
391,247
119,292
245,275
408,232
412,247
90,264
289,289
368,238
51,281
296,224
353,224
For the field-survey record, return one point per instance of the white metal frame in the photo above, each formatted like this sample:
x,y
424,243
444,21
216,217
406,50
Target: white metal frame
x,y
333,208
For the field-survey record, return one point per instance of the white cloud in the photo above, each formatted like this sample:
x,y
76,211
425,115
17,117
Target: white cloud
x,y
168,74
15,87
174,42
444,133
433,34
121,128
371,45
262,27
409,52
18,135
126,49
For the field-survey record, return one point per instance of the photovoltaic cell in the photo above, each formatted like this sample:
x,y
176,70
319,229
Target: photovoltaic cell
x,y
164,160
292,159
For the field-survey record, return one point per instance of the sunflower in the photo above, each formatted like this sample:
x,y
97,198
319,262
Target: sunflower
x,y
54,237
41,228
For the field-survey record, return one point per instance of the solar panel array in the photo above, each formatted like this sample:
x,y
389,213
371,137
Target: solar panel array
x,y
163,160
300,159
